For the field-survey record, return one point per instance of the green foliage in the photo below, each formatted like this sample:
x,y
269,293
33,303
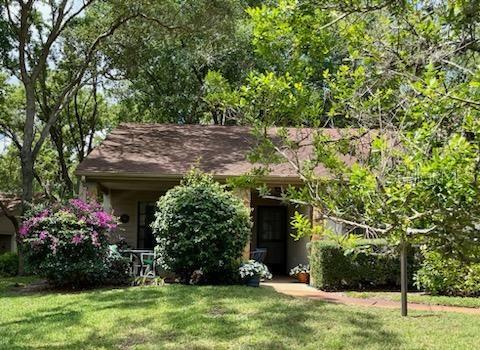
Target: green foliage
x,y
167,76
201,226
302,227
332,267
406,165
8,264
440,274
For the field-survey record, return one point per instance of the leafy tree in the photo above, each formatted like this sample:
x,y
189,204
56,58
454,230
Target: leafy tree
x,y
162,71
31,50
403,77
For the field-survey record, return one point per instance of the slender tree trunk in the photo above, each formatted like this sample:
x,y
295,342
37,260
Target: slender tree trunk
x,y
27,196
403,277
27,161
57,139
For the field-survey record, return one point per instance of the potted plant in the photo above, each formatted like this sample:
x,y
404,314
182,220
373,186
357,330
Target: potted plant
x,y
301,273
253,271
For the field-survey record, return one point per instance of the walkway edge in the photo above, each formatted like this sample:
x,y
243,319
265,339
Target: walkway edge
x,y
305,291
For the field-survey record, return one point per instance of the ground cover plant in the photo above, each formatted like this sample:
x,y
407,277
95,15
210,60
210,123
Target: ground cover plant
x,y
217,317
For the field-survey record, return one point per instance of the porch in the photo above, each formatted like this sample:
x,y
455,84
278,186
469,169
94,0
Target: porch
x,y
134,203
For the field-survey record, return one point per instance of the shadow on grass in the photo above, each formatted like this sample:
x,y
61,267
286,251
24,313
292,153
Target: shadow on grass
x,y
190,317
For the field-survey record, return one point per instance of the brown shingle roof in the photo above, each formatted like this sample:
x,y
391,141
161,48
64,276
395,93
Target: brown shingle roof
x,y
10,201
171,150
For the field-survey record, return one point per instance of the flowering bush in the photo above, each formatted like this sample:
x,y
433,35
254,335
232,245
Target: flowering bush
x,y
300,268
68,243
252,269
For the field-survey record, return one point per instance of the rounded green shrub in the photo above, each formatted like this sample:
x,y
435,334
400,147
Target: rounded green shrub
x,y
8,264
440,274
201,227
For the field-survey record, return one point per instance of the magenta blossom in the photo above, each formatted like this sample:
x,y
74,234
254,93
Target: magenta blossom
x,y
43,235
105,220
95,240
79,204
43,214
23,230
77,238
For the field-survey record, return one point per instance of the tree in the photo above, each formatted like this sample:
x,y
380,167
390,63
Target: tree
x,y
34,32
164,78
405,84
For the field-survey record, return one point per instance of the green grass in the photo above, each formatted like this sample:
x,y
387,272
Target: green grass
x,y
7,283
420,298
185,317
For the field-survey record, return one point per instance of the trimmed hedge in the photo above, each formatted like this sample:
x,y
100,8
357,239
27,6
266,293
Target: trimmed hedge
x,y
333,268
8,264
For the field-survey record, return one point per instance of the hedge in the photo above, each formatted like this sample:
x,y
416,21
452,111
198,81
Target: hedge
x,y
8,264
333,268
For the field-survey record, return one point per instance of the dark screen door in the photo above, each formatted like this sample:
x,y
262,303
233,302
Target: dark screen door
x,y
272,234
146,215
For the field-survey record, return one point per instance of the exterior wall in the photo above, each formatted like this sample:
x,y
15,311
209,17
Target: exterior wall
x,y
297,250
245,195
7,235
126,202
318,219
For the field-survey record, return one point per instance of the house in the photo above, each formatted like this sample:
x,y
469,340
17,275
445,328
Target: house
x,y
138,163
7,230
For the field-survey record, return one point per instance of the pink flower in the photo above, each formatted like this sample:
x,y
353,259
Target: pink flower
x,y
77,238
53,245
105,220
23,230
95,240
79,204
43,214
43,235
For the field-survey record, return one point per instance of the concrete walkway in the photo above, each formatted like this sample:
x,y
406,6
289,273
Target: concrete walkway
x,y
293,288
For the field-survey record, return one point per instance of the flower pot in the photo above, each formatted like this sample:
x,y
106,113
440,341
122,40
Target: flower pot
x,y
253,282
303,277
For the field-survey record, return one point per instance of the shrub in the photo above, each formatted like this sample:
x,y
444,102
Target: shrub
x,y
8,264
68,243
371,265
445,275
200,226
118,267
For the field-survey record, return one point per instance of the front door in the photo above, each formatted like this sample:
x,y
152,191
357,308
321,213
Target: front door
x,y
272,235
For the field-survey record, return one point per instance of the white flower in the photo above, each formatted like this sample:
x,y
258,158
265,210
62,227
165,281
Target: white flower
x,y
300,268
254,268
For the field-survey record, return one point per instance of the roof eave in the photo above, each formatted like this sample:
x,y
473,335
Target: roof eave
x,y
116,175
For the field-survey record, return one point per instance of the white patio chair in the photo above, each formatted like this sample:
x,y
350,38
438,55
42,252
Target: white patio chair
x,y
148,264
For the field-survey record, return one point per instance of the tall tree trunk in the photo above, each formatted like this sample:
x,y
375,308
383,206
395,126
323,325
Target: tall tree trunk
x,y
27,161
57,139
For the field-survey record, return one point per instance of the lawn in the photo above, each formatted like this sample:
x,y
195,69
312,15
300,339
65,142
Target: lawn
x,y
185,317
420,298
